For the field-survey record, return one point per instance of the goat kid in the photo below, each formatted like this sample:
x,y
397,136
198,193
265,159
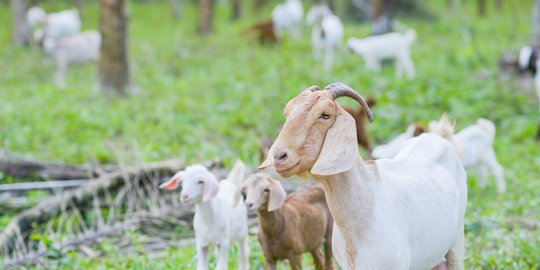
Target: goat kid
x,y
289,225
216,223
287,16
53,25
327,32
401,213
395,46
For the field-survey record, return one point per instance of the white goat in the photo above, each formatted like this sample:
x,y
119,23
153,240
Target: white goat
x,y
528,60
475,148
327,32
396,46
53,25
401,213
390,149
288,16
78,48
216,222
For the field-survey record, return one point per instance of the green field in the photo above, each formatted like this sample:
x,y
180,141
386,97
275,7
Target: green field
x,y
218,96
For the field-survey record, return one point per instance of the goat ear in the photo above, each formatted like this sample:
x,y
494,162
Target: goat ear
x,y
237,195
171,184
340,147
210,189
277,195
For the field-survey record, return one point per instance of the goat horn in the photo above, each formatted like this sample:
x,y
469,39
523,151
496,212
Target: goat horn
x,y
313,88
342,90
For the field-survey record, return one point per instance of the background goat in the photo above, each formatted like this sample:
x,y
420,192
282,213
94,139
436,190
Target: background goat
x,y
53,25
215,222
327,32
401,213
287,16
290,225
391,149
395,46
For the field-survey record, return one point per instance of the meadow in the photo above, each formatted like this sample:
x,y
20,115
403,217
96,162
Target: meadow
x,y
220,95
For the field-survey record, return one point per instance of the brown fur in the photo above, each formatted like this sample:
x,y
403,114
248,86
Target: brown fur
x,y
264,31
302,224
419,128
360,118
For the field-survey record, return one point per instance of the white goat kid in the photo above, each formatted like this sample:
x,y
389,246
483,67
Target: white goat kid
x,y
216,222
78,48
53,25
327,32
475,148
288,16
401,213
396,46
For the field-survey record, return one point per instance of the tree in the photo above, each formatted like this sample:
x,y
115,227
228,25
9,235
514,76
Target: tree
x,y
175,6
19,26
536,24
114,75
259,4
79,5
206,16
382,16
481,7
236,9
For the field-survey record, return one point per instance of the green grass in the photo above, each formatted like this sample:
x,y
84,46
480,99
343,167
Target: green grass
x,y
219,95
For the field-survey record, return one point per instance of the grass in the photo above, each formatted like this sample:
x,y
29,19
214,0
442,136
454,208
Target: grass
x,y
219,95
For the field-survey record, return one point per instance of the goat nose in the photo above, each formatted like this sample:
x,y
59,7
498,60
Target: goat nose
x,y
184,197
281,157
249,205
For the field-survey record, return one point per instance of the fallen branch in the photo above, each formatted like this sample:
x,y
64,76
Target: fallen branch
x,y
42,185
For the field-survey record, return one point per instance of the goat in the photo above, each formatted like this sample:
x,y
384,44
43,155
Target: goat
x,y
475,148
327,32
289,225
359,116
288,16
390,149
215,222
264,31
396,46
53,25
78,48
401,213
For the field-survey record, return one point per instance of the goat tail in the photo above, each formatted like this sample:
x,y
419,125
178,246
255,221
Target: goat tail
x,y
488,126
237,174
444,128
410,35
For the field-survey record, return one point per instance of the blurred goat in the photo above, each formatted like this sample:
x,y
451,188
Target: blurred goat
x,y
53,25
264,31
216,222
396,46
327,33
390,149
289,225
287,16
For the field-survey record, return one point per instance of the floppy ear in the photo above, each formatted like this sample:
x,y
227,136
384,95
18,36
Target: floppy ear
x,y
277,195
238,194
171,184
340,147
211,188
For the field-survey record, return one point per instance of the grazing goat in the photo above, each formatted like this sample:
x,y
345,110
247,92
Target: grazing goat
x,y
288,16
396,46
264,31
327,32
289,225
216,222
401,213
475,148
359,119
78,48
391,149
53,25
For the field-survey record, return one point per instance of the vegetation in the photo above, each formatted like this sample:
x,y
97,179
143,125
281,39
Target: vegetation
x,y
220,95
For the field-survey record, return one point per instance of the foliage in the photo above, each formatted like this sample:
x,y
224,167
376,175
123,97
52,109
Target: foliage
x,y
220,95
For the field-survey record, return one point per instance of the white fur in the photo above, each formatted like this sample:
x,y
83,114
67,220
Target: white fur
x,y
390,149
288,16
537,81
525,54
35,16
216,222
78,48
396,46
327,32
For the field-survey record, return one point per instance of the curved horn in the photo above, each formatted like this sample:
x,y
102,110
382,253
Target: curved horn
x,y
342,90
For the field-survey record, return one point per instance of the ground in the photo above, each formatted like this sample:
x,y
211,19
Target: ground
x,y
220,95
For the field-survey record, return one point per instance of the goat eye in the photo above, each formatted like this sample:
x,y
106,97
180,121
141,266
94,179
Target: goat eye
x,y
266,190
325,116
200,182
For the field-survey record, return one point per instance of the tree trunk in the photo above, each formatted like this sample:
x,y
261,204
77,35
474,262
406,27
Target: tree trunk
x,y
382,16
259,4
19,27
536,24
332,5
206,14
499,4
175,6
482,7
79,6
236,9
114,77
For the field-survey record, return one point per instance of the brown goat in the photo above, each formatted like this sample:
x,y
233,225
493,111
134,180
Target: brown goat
x,y
359,118
264,31
290,225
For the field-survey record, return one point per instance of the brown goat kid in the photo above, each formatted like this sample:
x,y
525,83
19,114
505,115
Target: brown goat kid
x,y
290,225
359,116
264,31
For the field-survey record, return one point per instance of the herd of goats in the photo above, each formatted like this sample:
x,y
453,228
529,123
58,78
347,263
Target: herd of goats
x,y
404,209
